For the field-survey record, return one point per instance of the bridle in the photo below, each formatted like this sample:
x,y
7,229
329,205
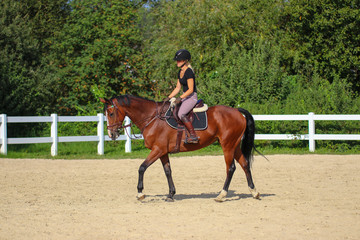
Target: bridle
x,y
160,114
115,125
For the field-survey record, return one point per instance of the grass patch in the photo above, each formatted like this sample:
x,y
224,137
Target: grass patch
x,y
116,150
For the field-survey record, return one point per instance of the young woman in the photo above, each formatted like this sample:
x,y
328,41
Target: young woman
x,y
186,80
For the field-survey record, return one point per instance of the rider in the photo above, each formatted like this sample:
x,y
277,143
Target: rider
x,y
186,79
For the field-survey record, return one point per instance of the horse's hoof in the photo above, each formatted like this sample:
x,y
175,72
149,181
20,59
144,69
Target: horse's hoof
x,y
140,196
254,193
219,199
169,199
256,196
221,196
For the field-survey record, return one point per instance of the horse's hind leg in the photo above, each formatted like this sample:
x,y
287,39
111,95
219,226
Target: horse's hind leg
x,y
230,169
239,157
166,164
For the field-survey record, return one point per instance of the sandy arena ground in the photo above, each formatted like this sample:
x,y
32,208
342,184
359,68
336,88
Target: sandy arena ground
x,y
302,197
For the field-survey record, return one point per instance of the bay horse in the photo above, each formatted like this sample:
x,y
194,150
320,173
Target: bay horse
x,y
233,128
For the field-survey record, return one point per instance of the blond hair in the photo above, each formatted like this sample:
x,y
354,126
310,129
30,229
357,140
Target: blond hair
x,y
189,65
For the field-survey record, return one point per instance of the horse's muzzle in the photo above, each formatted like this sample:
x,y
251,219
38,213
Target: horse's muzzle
x,y
114,134
114,130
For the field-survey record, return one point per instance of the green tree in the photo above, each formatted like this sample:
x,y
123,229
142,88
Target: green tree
x,y
211,30
323,36
98,49
247,76
24,83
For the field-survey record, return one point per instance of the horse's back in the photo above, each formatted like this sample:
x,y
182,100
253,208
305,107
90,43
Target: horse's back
x,y
224,117
226,113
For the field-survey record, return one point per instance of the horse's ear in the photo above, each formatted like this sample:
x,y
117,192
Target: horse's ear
x,y
103,100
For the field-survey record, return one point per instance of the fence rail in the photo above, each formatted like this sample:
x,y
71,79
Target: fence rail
x,y
54,119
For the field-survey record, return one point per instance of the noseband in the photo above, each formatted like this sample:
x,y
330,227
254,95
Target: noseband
x,y
116,125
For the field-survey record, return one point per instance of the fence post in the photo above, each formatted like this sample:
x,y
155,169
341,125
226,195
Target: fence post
x,y
100,133
54,134
3,134
311,132
128,136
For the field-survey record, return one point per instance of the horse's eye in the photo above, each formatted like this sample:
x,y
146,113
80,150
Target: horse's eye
x,y
111,114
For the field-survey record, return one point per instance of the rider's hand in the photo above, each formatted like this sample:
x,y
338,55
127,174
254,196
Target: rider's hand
x,y
178,100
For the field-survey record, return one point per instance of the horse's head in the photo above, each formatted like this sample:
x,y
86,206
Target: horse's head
x,y
114,116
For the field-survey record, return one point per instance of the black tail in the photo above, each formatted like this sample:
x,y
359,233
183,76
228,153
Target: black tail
x,y
248,142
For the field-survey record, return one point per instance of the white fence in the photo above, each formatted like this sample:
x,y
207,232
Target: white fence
x,y
54,119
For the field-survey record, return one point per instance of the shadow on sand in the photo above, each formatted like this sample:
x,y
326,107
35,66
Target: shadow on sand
x,y
231,196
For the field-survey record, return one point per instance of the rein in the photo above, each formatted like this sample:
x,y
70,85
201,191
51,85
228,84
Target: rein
x,y
152,118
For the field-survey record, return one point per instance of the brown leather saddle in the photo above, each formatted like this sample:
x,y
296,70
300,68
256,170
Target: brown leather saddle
x,y
198,119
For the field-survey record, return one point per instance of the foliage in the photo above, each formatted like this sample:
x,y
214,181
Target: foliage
x,y
98,47
246,53
246,76
24,27
324,35
210,29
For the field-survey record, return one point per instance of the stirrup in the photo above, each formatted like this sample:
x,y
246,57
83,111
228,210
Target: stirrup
x,y
192,139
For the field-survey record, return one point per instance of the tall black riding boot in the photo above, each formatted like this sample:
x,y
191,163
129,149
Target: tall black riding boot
x,y
193,138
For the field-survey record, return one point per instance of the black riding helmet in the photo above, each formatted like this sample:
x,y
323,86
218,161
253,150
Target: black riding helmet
x,y
182,54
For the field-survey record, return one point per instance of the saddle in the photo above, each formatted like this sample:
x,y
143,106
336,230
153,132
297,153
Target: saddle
x,y
197,116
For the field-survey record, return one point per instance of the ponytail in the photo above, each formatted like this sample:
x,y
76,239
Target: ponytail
x,y
189,66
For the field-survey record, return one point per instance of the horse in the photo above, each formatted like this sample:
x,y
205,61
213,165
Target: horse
x,y
234,128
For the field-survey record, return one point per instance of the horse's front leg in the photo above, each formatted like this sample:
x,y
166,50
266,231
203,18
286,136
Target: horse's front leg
x,y
166,164
152,157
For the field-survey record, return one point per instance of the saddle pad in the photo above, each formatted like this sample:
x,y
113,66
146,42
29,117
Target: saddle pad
x,y
200,120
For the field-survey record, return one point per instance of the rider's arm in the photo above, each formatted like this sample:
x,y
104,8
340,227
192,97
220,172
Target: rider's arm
x,y
176,90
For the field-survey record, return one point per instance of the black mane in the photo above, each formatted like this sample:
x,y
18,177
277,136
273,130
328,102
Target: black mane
x,y
125,100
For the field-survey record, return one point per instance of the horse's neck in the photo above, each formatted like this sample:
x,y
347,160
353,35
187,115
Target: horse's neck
x,y
140,112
